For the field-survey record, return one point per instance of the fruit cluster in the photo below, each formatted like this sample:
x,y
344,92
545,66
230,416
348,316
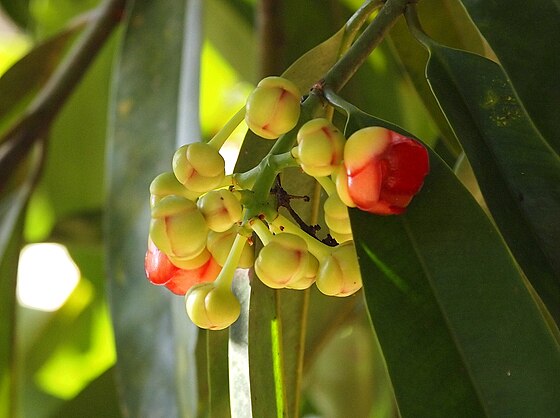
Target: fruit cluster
x,y
202,221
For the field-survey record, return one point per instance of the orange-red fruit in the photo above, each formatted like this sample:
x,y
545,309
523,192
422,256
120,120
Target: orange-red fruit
x,y
384,170
160,271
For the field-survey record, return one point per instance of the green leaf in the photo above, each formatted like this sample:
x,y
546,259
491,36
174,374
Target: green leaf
x,y
11,228
459,330
522,36
99,398
12,210
217,370
155,341
24,79
436,15
518,173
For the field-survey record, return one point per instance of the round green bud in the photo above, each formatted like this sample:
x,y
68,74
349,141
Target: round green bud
x,y
212,307
199,167
219,244
308,277
221,209
178,228
336,216
339,273
283,261
320,147
273,108
167,184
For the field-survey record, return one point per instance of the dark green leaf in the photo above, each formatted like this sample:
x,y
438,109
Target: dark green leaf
x,y
98,400
459,330
18,10
518,173
436,15
523,36
218,377
155,340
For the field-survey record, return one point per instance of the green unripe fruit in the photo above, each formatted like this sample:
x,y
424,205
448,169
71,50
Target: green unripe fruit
x,y
219,244
178,228
320,147
199,167
336,216
221,209
283,261
167,184
308,277
212,307
273,108
339,274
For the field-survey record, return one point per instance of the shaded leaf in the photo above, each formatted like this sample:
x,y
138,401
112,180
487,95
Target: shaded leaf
x,y
98,399
12,210
518,173
459,330
524,54
155,341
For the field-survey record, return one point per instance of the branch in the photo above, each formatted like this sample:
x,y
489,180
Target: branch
x,y
371,37
42,111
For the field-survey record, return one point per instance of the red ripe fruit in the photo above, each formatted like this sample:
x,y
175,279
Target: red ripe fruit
x,y
183,280
160,271
384,170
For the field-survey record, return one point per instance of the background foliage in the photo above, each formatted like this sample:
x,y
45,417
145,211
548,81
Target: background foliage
x,y
463,291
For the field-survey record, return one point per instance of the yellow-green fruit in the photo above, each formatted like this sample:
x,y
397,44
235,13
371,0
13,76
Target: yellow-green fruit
x,y
320,147
283,261
212,307
219,244
221,209
167,184
337,219
339,273
273,108
191,263
199,167
178,228
309,276
340,179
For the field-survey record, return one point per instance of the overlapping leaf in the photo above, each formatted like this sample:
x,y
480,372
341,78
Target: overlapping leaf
x,y
461,333
523,37
517,171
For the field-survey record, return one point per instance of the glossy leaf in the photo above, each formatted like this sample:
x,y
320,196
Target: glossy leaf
x,y
522,36
518,173
459,330
436,15
155,340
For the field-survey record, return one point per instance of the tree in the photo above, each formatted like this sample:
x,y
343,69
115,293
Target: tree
x,y
459,311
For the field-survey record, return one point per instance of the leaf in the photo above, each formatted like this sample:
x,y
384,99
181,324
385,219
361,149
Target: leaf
x,y
99,398
25,78
12,213
518,173
155,341
459,330
217,369
520,34
462,34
